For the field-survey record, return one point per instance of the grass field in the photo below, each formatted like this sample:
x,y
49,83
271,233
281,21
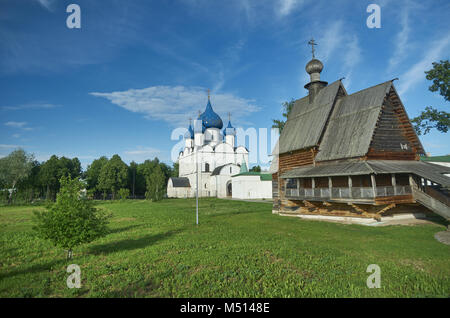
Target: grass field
x,y
239,250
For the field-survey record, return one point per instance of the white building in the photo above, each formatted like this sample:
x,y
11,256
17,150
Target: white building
x,y
213,153
252,185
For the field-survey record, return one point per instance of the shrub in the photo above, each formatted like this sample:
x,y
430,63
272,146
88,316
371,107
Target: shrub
x,y
123,194
72,220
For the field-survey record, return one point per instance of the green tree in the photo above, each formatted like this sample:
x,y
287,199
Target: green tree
x,y
92,174
287,107
256,169
14,168
431,118
72,220
113,175
156,185
175,169
53,169
123,194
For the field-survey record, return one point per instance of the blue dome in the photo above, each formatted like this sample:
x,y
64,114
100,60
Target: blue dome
x,y
189,133
210,119
230,130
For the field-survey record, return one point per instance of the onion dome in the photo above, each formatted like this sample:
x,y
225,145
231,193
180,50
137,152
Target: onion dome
x,y
190,133
314,66
210,119
229,130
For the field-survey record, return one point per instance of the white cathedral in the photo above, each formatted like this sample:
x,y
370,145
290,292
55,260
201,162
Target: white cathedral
x,y
213,153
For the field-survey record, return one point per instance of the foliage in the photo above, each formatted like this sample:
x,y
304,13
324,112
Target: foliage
x,y
14,168
156,185
431,118
124,193
53,169
72,220
239,249
287,107
256,169
113,175
440,75
92,174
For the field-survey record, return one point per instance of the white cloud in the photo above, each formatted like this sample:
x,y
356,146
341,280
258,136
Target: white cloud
x,y
18,124
341,46
140,154
175,104
3,146
48,4
285,7
30,106
416,73
15,124
401,41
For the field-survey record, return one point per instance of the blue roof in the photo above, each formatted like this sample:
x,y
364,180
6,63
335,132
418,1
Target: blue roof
x,y
190,132
210,119
229,130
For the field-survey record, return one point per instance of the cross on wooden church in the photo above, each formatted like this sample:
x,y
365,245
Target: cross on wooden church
x,y
312,43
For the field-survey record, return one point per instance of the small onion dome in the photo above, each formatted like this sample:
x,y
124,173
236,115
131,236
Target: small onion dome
x,y
314,66
190,133
210,119
229,130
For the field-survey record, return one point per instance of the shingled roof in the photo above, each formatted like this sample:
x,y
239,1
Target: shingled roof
x,y
341,125
429,171
306,121
352,124
181,182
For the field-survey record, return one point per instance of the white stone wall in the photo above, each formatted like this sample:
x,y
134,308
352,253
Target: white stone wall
x,y
251,187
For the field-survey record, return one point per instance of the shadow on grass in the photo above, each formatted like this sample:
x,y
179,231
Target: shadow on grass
x,y
234,213
36,268
131,244
124,229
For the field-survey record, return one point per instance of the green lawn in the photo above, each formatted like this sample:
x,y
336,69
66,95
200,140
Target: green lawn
x,y
239,250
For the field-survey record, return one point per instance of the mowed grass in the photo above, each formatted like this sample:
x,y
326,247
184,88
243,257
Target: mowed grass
x,y
240,249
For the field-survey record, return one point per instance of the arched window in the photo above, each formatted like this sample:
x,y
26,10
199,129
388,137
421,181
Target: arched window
x,y
206,167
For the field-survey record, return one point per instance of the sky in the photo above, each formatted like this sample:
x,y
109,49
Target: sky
x,y
138,69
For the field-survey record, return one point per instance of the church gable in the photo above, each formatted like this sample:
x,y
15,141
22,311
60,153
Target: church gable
x,y
351,125
306,122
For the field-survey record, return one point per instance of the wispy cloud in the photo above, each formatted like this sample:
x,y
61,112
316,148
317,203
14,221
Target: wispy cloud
x,y
47,4
140,154
3,146
342,46
30,106
416,73
175,104
401,41
285,7
18,124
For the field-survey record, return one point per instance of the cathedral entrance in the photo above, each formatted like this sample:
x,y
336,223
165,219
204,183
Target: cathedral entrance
x,y
229,192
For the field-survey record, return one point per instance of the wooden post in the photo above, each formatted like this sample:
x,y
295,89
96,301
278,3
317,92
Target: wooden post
x,y
313,185
350,185
330,186
374,185
412,183
394,183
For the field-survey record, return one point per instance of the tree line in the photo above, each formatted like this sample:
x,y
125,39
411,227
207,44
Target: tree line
x,y
24,179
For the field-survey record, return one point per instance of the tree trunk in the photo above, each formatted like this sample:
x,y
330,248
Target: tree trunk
x,y
69,253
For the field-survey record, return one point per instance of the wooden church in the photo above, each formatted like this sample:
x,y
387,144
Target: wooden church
x,y
356,155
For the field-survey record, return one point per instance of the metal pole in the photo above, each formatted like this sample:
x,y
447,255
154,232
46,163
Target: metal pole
x,y
197,187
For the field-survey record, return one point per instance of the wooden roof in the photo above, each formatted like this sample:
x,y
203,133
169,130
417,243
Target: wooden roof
x,y
341,126
429,171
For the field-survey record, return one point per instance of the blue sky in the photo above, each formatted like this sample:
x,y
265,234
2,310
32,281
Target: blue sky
x,y
138,69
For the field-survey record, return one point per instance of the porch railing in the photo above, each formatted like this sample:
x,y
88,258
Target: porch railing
x,y
348,193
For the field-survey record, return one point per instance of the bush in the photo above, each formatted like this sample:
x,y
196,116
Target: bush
x,y
123,194
72,220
